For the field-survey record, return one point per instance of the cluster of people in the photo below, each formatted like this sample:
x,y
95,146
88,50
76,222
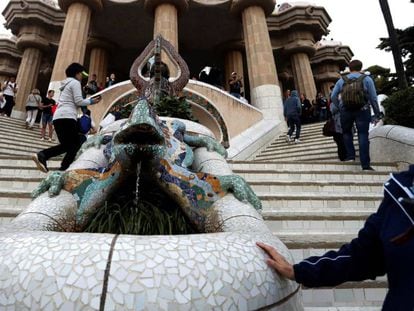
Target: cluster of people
x,y
312,111
93,87
213,76
349,104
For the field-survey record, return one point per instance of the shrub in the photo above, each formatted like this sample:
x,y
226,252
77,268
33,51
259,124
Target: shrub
x,y
175,107
154,213
399,108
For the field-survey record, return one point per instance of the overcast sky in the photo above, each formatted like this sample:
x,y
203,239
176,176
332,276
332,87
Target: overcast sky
x,y
357,23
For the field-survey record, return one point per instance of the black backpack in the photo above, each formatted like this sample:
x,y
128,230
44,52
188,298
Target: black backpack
x,y
353,94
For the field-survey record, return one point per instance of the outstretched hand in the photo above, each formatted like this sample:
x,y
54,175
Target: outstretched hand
x,y
277,261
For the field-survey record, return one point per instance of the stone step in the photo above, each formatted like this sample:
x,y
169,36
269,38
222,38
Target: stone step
x,y
315,226
19,183
316,200
292,155
328,214
351,296
337,187
30,182
299,148
311,176
28,142
24,161
292,166
19,149
19,131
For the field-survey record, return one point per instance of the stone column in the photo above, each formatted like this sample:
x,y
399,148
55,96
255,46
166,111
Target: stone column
x,y
264,88
233,62
300,46
325,88
72,44
31,40
166,23
99,57
303,75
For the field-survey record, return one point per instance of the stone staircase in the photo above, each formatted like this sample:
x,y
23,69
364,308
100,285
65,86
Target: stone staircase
x,y
313,202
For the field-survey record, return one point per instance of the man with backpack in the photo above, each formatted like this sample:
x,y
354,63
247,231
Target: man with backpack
x,y
357,94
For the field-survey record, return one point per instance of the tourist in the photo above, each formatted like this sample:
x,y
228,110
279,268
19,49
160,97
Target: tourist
x,y
286,95
92,86
385,245
111,80
322,104
292,110
306,108
65,119
47,115
9,92
33,102
337,136
235,84
355,108
2,101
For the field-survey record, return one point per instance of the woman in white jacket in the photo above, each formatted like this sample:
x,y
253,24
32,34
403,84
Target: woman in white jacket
x,y
65,119
33,103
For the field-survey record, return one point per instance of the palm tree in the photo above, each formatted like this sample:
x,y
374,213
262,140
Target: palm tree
x,y
395,48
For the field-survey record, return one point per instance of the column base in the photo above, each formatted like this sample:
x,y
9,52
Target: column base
x,y
268,99
55,86
17,114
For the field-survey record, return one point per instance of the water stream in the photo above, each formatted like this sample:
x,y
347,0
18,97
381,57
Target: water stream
x,y
137,183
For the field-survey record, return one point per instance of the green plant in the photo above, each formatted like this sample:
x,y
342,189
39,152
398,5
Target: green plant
x,y
153,214
176,107
399,108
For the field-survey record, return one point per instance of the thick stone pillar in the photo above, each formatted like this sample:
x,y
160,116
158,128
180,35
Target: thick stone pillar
x,y
99,57
27,76
99,64
264,89
326,88
74,37
303,75
31,40
233,62
166,23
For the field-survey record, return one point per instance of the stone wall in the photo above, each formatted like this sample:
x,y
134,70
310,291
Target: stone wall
x,y
392,143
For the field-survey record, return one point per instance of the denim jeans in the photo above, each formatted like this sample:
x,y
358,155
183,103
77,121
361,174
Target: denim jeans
x,y
293,121
362,119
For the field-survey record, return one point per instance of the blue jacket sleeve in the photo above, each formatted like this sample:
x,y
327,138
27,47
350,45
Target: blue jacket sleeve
x,y
372,95
335,92
299,106
361,259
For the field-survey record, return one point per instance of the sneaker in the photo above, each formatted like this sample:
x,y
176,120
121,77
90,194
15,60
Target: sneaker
x,y
368,168
42,138
349,160
40,161
49,139
297,141
288,138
